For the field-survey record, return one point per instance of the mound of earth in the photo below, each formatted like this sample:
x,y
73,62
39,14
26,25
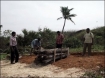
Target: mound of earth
x,y
28,59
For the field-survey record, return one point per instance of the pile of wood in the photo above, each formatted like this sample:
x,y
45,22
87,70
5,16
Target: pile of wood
x,y
50,55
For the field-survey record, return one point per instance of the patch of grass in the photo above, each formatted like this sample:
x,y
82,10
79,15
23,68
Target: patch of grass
x,y
76,50
100,73
95,48
3,56
98,48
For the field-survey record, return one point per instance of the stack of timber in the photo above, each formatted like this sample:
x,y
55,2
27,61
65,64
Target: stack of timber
x,y
48,56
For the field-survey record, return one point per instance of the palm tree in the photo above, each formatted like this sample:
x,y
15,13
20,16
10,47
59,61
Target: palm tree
x,y
66,15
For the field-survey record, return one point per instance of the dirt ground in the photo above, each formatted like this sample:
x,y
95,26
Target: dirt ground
x,y
73,66
74,60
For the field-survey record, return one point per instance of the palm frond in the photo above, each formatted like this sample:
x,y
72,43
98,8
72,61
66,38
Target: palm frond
x,y
65,11
71,20
71,9
72,15
59,18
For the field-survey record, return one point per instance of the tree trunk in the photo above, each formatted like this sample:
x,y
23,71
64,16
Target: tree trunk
x,y
63,26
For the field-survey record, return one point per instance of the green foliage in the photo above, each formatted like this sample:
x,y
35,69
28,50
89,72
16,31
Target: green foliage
x,y
98,48
72,39
66,13
1,50
6,51
99,40
100,73
27,38
4,42
7,33
3,56
20,40
72,42
76,50
48,38
99,35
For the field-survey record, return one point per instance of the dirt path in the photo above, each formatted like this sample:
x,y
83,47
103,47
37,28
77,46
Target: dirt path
x,y
31,70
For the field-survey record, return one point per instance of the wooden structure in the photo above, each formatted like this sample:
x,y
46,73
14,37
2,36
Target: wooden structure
x,y
50,55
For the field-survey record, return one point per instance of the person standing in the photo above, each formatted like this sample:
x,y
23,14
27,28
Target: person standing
x,y
35,44
88,41
59,40
13,47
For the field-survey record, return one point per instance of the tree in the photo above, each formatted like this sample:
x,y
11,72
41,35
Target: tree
x,y
48,38
20,40
66,15
28,36
25,38
7,33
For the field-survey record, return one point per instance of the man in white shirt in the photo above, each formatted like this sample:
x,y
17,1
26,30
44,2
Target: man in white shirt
x,y
88,41
13,47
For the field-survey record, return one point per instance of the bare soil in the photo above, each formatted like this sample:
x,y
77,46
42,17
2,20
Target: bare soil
x,y
73,66
74,60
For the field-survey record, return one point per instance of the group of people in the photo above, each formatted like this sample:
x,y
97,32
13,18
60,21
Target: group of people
x,y
36,44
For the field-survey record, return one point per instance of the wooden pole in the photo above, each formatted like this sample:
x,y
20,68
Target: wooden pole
x,y
68,51
54,54
61,53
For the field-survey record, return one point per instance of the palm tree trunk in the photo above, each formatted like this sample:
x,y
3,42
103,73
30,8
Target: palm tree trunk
x,y
63,26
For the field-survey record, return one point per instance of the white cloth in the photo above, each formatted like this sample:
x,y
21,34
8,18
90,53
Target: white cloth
x,y
13,41
88,37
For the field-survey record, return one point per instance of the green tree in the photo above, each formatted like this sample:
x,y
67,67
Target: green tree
x,y
48,38
7,33
25,38
28,36
20,40
66,15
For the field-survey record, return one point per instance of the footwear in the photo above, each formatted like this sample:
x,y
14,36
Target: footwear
x,y
16,61
12,63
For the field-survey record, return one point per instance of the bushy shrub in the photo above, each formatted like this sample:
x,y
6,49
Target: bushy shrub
x,y
100,73
99,40
49,46
1,50
6,51
72,42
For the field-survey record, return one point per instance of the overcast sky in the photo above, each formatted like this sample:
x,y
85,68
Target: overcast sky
x,y
17,15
